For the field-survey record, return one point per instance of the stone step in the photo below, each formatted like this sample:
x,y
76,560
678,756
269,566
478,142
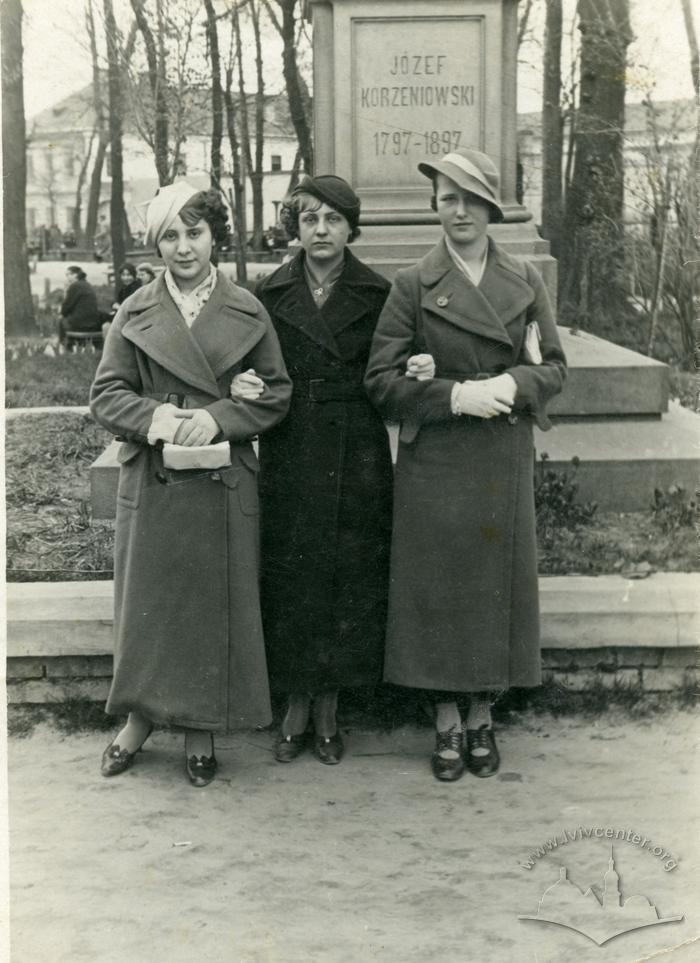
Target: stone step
x,y
606,379
607,629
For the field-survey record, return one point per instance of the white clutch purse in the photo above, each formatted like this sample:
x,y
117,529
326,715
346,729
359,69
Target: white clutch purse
x,y
531,348
182,457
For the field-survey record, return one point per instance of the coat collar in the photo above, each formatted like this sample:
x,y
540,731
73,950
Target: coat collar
x,y
348,301
486,310
225,331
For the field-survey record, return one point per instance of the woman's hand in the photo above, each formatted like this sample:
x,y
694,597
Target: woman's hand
x,y
247,386
485,399
197,428
421,367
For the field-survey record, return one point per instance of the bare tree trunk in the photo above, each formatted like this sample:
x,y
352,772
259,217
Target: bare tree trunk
x,y
294,82
693,44
82,174
217,107
19,309
593,284
238,202
552,127
158,84
256,173
98,102
116,207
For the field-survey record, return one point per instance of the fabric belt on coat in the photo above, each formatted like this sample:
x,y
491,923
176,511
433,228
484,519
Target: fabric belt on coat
x,y
320,390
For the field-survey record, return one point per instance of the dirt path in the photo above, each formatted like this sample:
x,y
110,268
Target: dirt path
x,y
372,860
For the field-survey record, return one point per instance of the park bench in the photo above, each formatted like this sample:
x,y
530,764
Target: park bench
x,y
83,337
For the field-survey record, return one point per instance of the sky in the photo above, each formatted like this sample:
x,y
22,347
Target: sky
x,y
54,33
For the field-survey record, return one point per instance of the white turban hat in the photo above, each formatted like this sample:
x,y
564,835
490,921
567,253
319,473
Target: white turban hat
x,y
165,207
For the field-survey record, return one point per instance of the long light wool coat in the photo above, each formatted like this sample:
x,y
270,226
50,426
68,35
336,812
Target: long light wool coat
x,y
326,488
463,607
188,646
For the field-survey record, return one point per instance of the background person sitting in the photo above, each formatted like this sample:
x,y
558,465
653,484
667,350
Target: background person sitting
x,y
79,311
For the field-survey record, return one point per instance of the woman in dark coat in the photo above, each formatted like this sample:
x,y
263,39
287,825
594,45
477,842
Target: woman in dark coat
x,y
465,356
79,310
326,474
189,647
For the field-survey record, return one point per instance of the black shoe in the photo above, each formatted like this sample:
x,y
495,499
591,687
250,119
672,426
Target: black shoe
x,y
289,747
482,754
201,769
115,760
451,768
329,750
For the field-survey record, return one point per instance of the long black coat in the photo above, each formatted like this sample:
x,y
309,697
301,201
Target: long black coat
x,y
326,480
188,633
463,608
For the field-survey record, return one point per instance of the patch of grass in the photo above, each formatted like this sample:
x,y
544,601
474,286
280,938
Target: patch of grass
x,y
67,716
685,385
34,380
50,536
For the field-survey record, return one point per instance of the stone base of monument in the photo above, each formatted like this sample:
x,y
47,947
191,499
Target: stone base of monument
x,y
613,415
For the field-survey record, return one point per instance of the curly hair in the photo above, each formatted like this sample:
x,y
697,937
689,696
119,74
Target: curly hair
x,y
292,207
129,267
208,206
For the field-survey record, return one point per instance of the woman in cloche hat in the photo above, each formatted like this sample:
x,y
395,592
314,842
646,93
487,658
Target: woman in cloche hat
x,y
465,356
188,635
326,475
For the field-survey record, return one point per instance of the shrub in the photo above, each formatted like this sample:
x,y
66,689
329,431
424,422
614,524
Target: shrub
x,y
556,507
673,509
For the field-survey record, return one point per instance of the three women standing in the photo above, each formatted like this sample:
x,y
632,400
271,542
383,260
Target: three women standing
x,y
326,474
189,645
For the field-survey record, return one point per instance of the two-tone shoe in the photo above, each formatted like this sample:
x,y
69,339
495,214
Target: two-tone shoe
x,y
482,754
201,770
447,760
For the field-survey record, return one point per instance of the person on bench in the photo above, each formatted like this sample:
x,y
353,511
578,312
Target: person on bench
x,y
79,312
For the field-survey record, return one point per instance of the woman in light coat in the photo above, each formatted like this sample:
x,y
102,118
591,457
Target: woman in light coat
x,y
188,636
465,356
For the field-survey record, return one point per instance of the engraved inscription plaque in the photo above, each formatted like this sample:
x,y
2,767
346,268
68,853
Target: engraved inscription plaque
x,y
417,93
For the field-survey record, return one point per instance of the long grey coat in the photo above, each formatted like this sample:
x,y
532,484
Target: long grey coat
x,y
463,608
188,637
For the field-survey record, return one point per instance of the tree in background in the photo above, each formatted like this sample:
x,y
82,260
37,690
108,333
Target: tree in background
x,y
157,79
19,309
116,207
297,90
217,94
99,103
552,128
593,285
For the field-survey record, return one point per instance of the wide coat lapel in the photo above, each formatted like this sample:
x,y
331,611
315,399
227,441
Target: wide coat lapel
x,y
349,301
482,310
158,329
228,327
296,306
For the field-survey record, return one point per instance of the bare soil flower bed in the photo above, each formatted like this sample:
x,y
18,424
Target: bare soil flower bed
x,y
51,537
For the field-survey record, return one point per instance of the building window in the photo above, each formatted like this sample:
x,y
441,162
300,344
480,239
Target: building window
x,y
276,162
108,163
69,164
31,219
70,212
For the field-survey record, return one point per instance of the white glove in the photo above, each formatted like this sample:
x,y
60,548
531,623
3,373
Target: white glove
x,y
484,399
197,427
164,424
421,367
247,386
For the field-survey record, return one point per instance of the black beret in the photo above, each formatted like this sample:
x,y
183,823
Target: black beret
x,y
333,191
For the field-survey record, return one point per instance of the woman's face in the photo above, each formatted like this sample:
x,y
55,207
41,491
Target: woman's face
x,y
186,250
464,216
323,233
126,277
71,276
145,277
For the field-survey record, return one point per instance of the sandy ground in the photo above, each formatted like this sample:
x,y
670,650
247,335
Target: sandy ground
x,y
372,860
